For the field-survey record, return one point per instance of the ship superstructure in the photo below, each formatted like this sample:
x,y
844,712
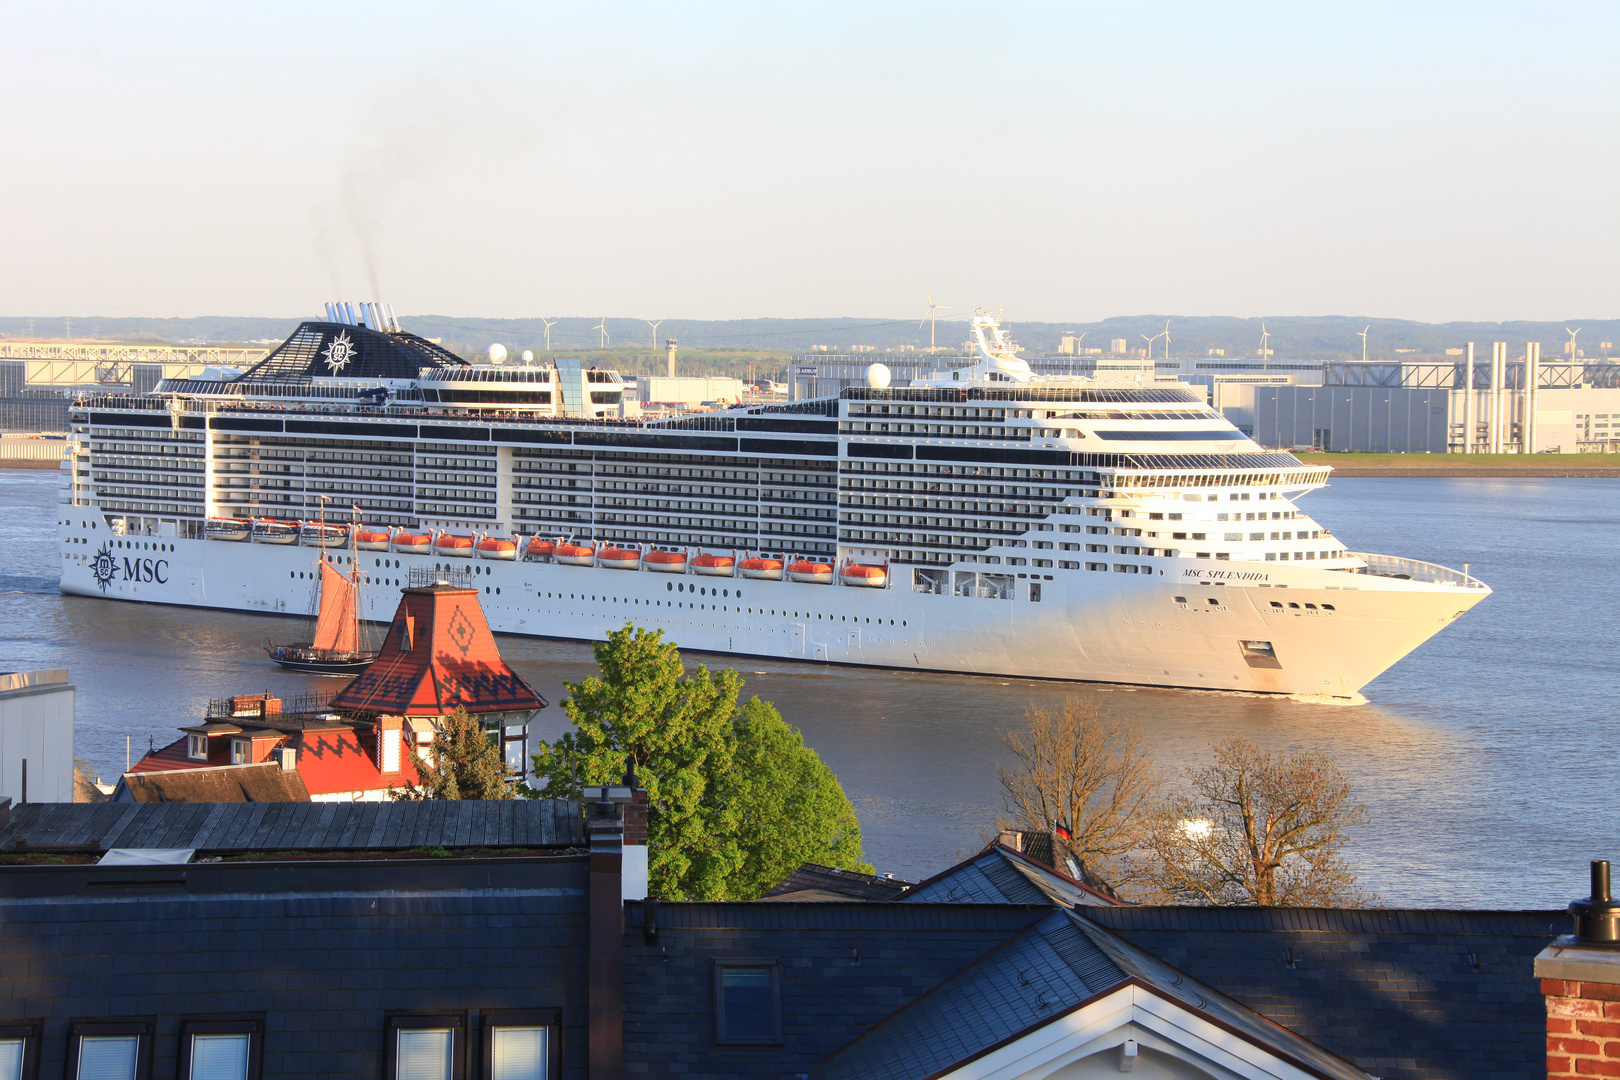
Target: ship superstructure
x,y
982,519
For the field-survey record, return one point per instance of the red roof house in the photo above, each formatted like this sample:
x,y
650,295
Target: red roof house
x,y
439,655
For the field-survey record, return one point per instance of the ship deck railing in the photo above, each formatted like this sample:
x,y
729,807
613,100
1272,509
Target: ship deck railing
x,y
1394,566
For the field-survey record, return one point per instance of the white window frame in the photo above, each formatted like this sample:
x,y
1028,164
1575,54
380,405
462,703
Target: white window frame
x,y
193,743
139,1030
455,1023
248,1028
547,1020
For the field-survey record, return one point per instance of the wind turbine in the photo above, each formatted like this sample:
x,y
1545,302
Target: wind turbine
x,y
1363,336
1167,339
1264,352
1572,334
549,324
1150,341
655,326
602,326
928,316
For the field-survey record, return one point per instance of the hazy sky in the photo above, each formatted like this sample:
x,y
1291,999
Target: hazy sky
x,y
1424,161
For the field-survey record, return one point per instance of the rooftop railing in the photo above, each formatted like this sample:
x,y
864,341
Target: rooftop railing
x,y
1393,566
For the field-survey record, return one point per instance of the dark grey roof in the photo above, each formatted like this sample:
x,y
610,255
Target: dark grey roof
x,y
999,875
1407,995
360,353
321,951
1043,973
845,966
220,827
830,883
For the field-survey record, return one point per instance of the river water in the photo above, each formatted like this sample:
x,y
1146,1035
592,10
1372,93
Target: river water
x,y
1487,759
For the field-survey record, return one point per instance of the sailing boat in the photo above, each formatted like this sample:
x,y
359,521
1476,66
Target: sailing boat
x,y
336,649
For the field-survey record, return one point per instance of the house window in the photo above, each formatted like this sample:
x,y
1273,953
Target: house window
x,y
241,752
522,1044
220,1049
197,747
426,1046
19,1051
747,1009
110,1051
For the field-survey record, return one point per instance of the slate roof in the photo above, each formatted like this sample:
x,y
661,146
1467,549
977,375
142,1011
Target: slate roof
x,y
1038,976
1407,995
265,782
362,353
322,951
439,654
333,826
844,967
1000,875
811,882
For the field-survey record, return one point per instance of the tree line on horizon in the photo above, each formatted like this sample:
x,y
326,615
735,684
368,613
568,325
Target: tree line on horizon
x,y
1303,337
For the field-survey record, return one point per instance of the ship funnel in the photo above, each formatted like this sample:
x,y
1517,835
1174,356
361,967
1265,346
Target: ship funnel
x,y
393,323
331,312
348,310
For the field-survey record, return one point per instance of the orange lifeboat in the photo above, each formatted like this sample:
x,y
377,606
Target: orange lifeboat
x,y
575,554
493,547
870,577
228,528
412,543
813,573
666,562
619,558
714,565
541,549
459,546
762,569
371,539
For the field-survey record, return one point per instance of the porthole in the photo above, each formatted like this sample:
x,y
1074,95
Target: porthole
x,y
486,590
669,586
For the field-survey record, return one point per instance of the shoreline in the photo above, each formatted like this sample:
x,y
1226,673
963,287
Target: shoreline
x,y
1489,472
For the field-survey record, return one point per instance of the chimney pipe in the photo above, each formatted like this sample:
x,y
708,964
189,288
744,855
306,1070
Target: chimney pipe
x,y
1597,918
331,312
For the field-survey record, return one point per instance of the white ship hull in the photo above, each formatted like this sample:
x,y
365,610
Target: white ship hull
x,y
1090,627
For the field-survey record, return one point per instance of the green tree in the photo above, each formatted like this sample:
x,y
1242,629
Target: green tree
x,y
734,795
467,764
785,807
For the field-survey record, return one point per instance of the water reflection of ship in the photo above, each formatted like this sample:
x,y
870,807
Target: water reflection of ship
x,y
337,647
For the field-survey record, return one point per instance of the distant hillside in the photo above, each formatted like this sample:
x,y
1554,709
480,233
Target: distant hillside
x,y
767,341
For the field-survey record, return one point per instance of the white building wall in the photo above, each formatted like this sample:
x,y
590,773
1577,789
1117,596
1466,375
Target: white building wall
x,y
689,390
36,725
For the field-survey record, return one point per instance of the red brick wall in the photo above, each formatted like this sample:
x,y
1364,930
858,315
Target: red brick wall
x,y
635,819
1583,1028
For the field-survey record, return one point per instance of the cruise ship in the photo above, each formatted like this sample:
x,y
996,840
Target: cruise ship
x,y
982,520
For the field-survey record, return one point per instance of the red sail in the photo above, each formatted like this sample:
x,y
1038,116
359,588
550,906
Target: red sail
x,y
337,628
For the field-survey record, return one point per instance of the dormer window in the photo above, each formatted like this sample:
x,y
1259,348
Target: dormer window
x,y
197,747
241,752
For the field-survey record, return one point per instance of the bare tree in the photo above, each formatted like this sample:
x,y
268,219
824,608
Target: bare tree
x,y
1091,773
1259,828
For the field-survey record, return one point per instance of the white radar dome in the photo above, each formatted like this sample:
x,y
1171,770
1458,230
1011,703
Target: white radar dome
x,y
528,356
497,353
877,376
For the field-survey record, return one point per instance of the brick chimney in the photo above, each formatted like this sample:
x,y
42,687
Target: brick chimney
x,y
631,799
1580,978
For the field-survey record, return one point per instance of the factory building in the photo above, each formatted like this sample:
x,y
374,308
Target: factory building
x,y
1470,405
